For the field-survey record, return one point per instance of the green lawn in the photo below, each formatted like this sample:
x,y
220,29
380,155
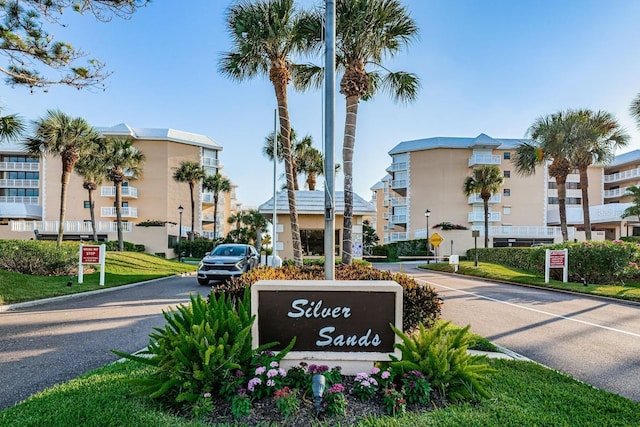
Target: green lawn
x,y
121,268
630,291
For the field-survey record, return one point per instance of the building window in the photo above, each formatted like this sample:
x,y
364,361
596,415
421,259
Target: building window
x,y
506,155
507,174
87,205
506,210
568,201
506,192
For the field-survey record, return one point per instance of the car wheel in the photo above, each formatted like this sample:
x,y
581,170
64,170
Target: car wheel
x,y
203,282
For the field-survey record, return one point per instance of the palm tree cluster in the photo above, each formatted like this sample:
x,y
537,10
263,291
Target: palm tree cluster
x,y
267,34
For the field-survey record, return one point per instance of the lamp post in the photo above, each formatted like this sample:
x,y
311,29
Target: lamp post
x,y
427,214
180,210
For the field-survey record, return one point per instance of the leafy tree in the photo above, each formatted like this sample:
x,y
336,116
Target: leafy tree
x,y
91,167
367,32
485,180
551,139
191,173
248,227
216,184
66,137
633,210
599,135
264,33
25,42
122,161
369,236
11,127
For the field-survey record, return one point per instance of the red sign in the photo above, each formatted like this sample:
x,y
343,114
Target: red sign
x,y
556,259
90,255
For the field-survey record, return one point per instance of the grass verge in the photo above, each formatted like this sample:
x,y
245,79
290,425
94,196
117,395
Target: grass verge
x,y
121,268
630,291
522,394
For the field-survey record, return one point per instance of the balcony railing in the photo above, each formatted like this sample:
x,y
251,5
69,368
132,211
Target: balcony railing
x,y
479,216
399,219
399,183
210,162
127,191
396,237
207,198
621,176
19,166
69,226
496,198
125,212
398,166
398,201
484,159
19,183
26,200
615,192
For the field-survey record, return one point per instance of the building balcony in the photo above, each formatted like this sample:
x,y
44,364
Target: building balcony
x,y
395,237
69,226
127,192
399,183
484,159
210,162
398,201
524,231
479,217
26,200
621,176
398,166
399,219
20,166
207,198
475,198
615,192
19,183
124,212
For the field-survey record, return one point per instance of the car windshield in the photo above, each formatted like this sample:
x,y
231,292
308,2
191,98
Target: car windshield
x,y
228,251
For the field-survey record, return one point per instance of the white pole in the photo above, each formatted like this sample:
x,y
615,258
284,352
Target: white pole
x,y
103,256
274,222
329,143
80,269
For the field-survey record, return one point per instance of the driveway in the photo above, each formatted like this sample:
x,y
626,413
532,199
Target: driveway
x,y
52,343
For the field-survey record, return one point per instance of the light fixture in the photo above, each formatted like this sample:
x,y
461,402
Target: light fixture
x,y
180,210
427,214
317,386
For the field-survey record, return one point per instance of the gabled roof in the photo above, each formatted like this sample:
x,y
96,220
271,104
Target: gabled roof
x,y
621,159
312,202
482,140
160,134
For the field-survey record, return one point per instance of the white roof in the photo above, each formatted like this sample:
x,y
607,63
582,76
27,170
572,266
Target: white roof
x,y
312,202
161,134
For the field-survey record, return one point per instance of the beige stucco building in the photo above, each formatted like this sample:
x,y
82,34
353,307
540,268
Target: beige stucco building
x,y
428,174
31,193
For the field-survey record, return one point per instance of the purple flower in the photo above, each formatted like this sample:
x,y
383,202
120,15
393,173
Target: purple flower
x,y
253,382
272,373
206,395
260,370
282,372
274,364
385,375
375,370
271,383
336,388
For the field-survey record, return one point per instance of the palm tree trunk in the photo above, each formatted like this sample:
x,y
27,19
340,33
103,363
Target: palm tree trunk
x,y
347,159
562,206
485,202
92,213
280,87
193,213
584,185
119,215
311,181
66,174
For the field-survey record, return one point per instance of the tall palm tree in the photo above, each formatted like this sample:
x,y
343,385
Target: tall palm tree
x,y
598,135
367,32
216,184
485,180
122,161
11,127
91,167
64,136
191,173
633,210
256,223
551,139
264,33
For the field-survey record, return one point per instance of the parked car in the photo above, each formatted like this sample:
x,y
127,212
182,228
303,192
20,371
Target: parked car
x,y
226,261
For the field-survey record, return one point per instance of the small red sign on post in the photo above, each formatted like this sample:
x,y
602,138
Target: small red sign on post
x,y
556,259
90,254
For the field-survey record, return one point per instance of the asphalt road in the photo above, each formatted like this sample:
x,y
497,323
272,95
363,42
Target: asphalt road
x,y
52,343
592,339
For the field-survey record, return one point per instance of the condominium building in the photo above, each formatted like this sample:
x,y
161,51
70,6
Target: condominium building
x,y
31,186
428,174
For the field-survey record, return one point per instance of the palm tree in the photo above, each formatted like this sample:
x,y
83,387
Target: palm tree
x,y
256,223
91,167
216,184
551,139
485,180
122,161
67,137
367,31
311,162
633,210
598,135
11,127
192,173
263,34
634,109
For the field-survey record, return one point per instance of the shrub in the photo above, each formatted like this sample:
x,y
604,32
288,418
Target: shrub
x,y
421,303
198,350
40,258
197,249
126,246
440,354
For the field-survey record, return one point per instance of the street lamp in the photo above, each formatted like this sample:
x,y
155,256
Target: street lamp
x,y
427,214
180,210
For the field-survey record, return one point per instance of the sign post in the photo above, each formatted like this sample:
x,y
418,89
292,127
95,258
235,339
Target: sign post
x,y
92,254
435,241
556,259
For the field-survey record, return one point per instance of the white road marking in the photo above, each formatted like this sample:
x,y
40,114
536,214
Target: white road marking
x,y
534,309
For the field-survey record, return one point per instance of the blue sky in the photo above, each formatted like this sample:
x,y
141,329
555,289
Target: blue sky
x,y
486,66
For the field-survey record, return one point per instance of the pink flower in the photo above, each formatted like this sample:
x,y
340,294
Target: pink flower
x,y
260,370
336,388
282,372
253,382
385,375
375,370
272,373
206,395
274,364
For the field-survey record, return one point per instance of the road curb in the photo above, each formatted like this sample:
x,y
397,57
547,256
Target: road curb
x,y
27,304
